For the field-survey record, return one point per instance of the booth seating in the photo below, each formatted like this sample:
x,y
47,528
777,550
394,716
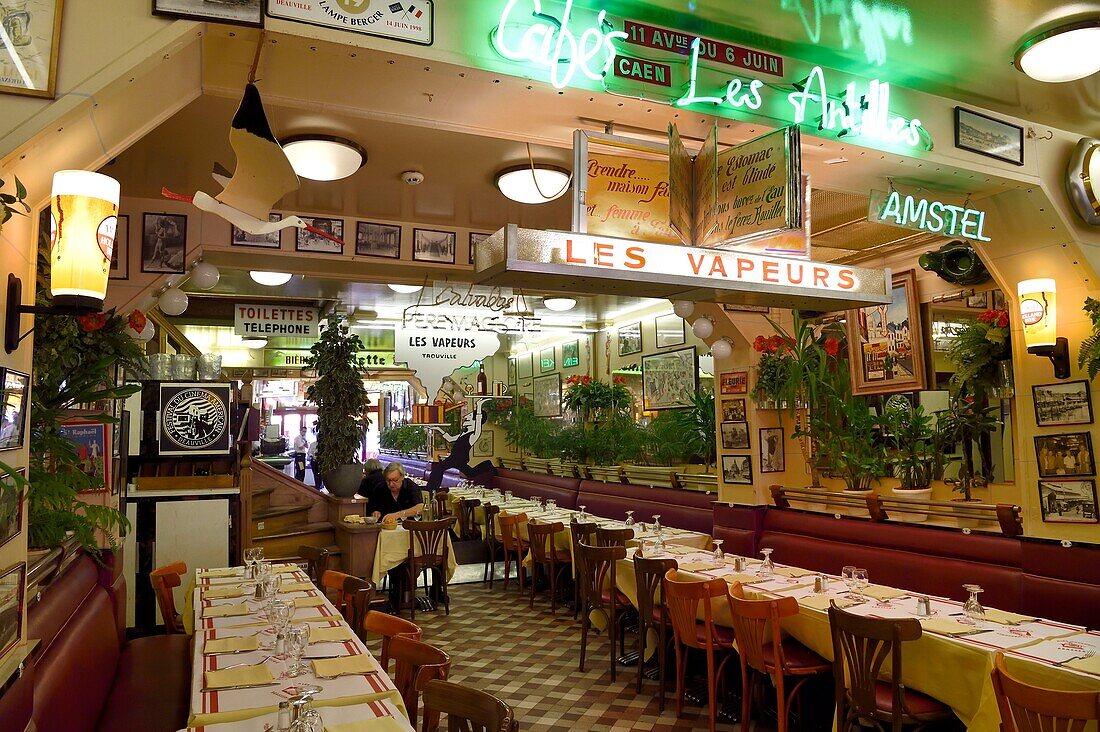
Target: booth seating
x,y
739,528
85,676
679,509
524,485
418,468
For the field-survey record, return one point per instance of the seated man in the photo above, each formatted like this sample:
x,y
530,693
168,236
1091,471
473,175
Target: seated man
x,y
399,498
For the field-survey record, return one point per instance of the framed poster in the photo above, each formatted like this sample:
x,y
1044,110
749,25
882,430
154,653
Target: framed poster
x,y
410,21
237,12
164,243
730,307
1068,501
377,240
737,469
120,255
733,382
670,380
733,410
525,365
94,446
670,330
512,370
14,403
547,360
886,342
32,37
193,419
735,436
772,456
988,136
434,246
242,238
307,241
570,354
484,446
1064,403
1065,455
476,239
11,507
630,339
979,300
12,584
547,396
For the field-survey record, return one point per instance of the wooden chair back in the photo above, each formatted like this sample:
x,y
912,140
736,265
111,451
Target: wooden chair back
x,y
1027,708
467,527
316,558
491,513
682,598
389,627
540,538
599,572
467,709
164,579
415,664
428,545
440,501
613,537
358,593
756,623
648,574
509,532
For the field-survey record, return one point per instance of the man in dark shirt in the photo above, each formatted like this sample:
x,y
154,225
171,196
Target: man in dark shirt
x,y
398,499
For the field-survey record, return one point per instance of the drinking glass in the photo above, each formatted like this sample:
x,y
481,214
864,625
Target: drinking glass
x,y
507,495
860,582
583,514
767,567
249,561
972,607
309,720
718,553
297,639
551,504
848,574
279,615
657,522
629,518
267,587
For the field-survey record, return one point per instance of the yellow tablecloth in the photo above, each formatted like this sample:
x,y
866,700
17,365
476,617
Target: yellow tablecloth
x,y
393,550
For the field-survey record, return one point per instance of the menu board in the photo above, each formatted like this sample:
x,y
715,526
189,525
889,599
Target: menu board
x,y
705,168
628,197
681,180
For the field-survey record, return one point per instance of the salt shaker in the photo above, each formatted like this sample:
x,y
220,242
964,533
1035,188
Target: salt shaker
x,y
924,607
739,564
280,644
821,583
282,721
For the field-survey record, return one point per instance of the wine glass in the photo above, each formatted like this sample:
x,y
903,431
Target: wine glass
x,y
848,574
767,567
309,720
583,514
629,518
972,607
297,639
718,553
279,615
860,582
507,495
249,560
659,539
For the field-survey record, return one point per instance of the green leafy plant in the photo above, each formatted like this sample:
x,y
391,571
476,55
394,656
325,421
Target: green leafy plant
x,y
407,438
1088,358
13,204
339,394
697,425
964,422
916,447
975,351
665,442
595,400
846,441
771,369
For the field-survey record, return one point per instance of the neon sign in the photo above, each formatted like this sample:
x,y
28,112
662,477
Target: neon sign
x,y
934,217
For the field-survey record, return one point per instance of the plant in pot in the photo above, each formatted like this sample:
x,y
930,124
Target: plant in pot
x,y
697,424
342,402
771,371
846,435
605,433
1088,358
916,454
964,423
977,351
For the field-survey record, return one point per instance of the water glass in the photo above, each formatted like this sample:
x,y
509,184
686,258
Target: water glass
x,y
657,523
279,615
767,567
972,607
583,515
507,495
297,639
860,582
848,574
309,720
629,518
718,554
551,504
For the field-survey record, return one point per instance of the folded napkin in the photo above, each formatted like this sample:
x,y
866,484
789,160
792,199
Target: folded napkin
x,y
1005,618
821,602
225,611
743,578
309,601
378,724
297,587
280,568
220,572
257,675
231,645
343,666
793,572
1090,665
698,566
336,634
884,593
947,626
677,549
267,624
222,593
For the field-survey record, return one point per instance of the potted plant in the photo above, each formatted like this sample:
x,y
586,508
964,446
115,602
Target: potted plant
x,y
916,454
697,425
771,371
847,440
342,402
14,204
1088,358
965,422
605,432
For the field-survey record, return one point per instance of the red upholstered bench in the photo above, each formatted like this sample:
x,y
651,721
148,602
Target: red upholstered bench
x,y
739,527
418,468
679,509
524,484
85,677
1060,582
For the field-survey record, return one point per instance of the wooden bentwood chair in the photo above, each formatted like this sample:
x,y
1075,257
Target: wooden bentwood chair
x,y
164,579
1026,708
440,503
763,651
861,647
389,627
464,511
514,547
429,551
467,709
544,553
582,533
652,613
613,537
599,596
351,595
317,561
493,545
415,664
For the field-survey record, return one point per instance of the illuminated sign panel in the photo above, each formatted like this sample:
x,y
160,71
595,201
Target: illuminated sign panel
x,y
921,214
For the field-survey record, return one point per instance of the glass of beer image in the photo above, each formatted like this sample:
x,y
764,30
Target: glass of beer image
x,y
84,217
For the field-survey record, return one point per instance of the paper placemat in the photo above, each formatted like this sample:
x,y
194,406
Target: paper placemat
x,y
947,626
222,593
698,566
821,602
679,549
257,675
220,572
226,611
792,572
378,724
296,587
332,667
336,634
280,568
881,592
308,601
1005,618
1090,665
231,645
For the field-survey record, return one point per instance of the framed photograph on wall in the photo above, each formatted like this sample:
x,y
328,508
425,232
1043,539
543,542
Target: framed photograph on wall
x,y
547,396
525,365
571,354
120,255
737,469
512,370
670,380
14,403
735,436
308,241
670,330
11,507
733,382
772,455
1064,455
1068,501
237,12
987,136
12,584
630,339
733,410
1064,403
94,446
164,243
547,360
32,32
886,342
484,446
242,238
377,240
979,300
475,239
434,246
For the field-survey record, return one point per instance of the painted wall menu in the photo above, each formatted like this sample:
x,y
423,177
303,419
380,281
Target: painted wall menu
x,y
628,197
707,233
759,189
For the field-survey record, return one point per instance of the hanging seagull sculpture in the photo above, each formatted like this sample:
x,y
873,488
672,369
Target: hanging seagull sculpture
x,y
262,177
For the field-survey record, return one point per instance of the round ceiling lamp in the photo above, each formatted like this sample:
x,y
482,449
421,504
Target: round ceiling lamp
x,y
173,301
1065,53
205,276
721,349
270,279
703,327
323,157
683,308
254,342
535,183
559,304
406,289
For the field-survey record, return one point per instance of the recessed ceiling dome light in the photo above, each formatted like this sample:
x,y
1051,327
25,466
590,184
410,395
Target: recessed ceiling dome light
x,y
254,342
406,289
1066,53
533,184
322,157
559,304
271,279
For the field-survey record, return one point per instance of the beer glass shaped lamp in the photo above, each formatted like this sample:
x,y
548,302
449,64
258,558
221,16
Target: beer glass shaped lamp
x,y
1039,314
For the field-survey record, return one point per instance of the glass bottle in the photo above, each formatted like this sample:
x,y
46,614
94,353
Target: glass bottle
x,y
482,381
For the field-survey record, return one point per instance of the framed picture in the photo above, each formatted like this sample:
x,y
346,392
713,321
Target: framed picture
x,y
886,343
997,300
670,330
547,362
733,382
237,12
484,446
988,136
630,339
193,419
670,380
772,456
735,435
12,584
978,300
14,403
547,396
512,370
737,469
476,239
307,241
242,238
1064,403
120,255
730,307
164,243
378,240
93,449
434,246
525,365
733,410
1064,455
1068,501
11,507
32,37
570,354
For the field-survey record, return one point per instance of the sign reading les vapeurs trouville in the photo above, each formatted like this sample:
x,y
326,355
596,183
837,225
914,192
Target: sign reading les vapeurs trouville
x,y
406,20
275,320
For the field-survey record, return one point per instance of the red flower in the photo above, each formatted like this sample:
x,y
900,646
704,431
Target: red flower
x,y
832,347
586,380
618,380
759,344
93,322
137,321
1002,319
775,344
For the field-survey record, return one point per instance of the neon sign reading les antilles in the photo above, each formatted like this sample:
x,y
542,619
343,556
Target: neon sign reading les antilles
x,y
548,42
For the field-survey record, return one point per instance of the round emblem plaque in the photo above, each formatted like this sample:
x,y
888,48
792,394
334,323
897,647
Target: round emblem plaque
x,y
195,418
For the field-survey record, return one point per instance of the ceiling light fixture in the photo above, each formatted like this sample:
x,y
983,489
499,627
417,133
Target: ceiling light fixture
x,y
254,342
1065,53
559,304
534,183
323,157
270,279
406,289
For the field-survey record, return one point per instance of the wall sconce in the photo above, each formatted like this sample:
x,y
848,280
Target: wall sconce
x,y
83,220
1037,310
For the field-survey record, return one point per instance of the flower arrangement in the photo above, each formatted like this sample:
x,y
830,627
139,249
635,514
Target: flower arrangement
x,y
593,399
978,346
771,369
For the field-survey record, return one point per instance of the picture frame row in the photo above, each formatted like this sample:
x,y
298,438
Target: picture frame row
x,y
735,436
669,330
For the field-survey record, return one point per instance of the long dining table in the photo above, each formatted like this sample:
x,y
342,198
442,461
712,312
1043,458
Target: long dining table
x,y
953,659
234,636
